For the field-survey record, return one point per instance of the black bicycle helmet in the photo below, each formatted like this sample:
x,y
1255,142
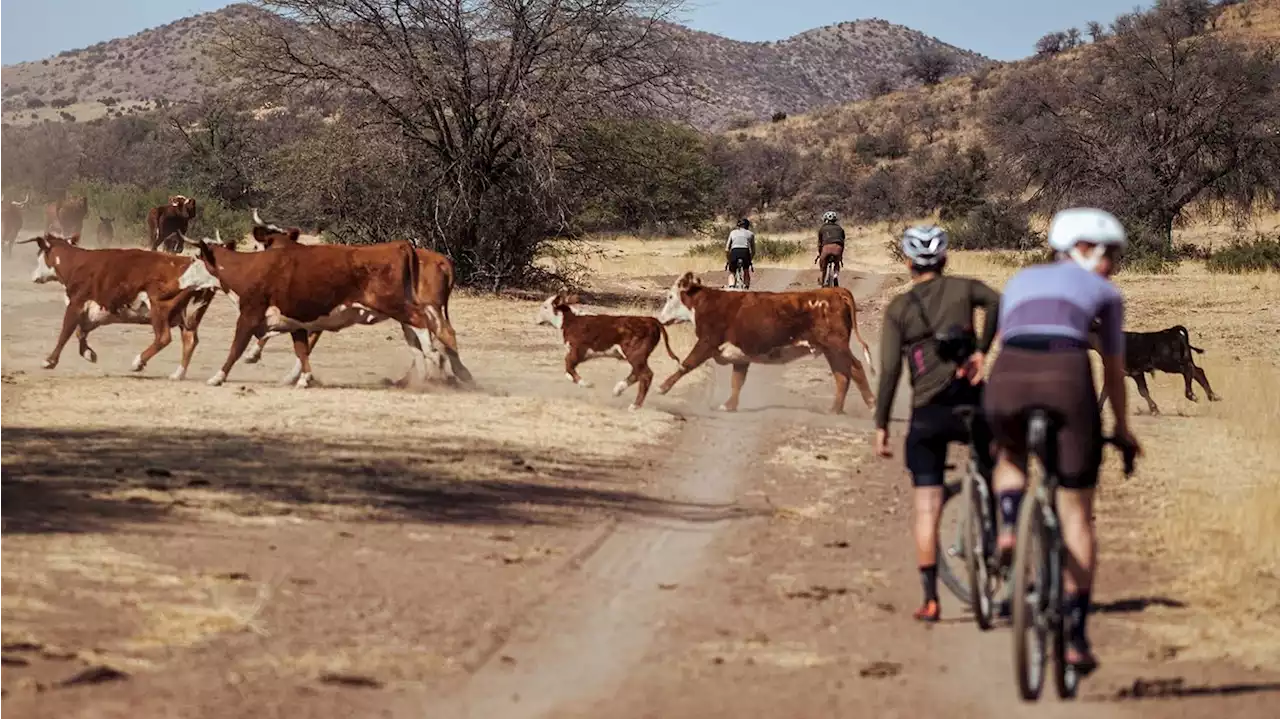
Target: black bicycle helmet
x,y
744,223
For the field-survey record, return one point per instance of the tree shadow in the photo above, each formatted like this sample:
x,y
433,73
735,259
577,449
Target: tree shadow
x,y
1132,605
1177,688
66,480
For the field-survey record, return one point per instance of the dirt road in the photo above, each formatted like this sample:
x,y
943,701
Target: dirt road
x,y
527,550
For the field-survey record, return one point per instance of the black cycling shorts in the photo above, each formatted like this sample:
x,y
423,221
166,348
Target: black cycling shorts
x,y
936,425
739,256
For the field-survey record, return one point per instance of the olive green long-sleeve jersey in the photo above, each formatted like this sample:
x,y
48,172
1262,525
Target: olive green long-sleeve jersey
x,y
944,302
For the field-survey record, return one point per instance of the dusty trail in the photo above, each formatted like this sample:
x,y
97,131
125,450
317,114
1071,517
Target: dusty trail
x,y
580,644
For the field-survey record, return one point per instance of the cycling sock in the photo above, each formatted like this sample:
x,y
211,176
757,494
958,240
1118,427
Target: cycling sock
x,y
929,582
1077,610
1010,503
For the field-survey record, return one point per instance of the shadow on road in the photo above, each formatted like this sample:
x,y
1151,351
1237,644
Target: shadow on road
x,y
1132,605
59,480
1177,688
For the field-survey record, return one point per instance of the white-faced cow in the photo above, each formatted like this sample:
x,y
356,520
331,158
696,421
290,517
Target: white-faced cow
x,y
745,328
630,338
303,289
11,219
435,284
121,286
167,223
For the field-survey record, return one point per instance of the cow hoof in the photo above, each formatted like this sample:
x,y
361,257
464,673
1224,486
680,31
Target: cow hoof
x,y
49,364
633,407
252,357
619,388
217,379
304,381
90,355
585,384
726,408
178,374
138,364
1215,398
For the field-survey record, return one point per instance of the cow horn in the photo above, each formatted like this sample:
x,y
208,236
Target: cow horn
x,y
28,240
25,200
217,235
258,220
189,241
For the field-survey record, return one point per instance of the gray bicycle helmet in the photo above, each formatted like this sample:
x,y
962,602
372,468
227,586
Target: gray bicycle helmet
x,y
925,245
829,218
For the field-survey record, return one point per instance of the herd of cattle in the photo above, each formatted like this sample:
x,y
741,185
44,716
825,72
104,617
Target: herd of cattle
x,y
302,290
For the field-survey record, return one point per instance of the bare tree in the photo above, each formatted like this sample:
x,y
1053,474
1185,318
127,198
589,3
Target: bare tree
x,y
1096,31
929,65
486,97
1071,38
1051,44
1156,119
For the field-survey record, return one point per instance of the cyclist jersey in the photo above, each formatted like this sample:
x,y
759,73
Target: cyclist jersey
x,y
911,319
740,239
1062,300
830,234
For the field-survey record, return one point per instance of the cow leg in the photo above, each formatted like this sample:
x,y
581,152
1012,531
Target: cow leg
x,y
70,322
1146,394
255,350
189,341
736,380
246,327
846,368
701,352
572,359
82,336
300,374
1102,398
164,335
1186,380
1203,379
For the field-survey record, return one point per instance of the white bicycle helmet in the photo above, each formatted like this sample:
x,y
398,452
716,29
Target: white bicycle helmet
x,y
1085,224
925,245
829,218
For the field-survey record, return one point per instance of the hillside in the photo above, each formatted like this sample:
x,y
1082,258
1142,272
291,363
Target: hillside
x,y
738,80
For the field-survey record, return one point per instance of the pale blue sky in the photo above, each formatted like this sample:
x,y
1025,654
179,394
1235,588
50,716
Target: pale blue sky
x,y
1002,29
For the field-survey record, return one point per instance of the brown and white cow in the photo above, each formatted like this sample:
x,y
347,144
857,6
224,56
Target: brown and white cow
x,y
106,232
167,223
121,286
630,338
66,217
11,220
435,284
304,289
745,328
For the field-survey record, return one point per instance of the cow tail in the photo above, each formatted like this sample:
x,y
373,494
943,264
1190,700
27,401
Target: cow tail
x,y
1187,336
851,315
447,269
666,341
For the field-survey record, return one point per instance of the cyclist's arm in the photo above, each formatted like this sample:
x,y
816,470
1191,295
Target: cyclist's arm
x,y
751,239
1111,347
890,368
988,299
728,244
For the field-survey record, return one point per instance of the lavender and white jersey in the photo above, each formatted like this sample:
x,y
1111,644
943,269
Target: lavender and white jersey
x,y
1062,300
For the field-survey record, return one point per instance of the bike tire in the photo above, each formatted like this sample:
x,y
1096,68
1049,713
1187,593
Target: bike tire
x,y
1029,636
952,577
974,541
1066,680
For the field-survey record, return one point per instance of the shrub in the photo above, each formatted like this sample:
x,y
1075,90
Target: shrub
x,y
778,116
766,249
892,144
34,103
740,123
58,103
1000,224
1262,254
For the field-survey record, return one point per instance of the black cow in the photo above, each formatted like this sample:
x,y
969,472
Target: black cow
x,y
1168,350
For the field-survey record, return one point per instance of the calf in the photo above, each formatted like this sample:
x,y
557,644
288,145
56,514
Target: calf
x,y
435,284
127,286
66,217
11,219
106,232
745,328
167,223
1168,350
629,338
306,289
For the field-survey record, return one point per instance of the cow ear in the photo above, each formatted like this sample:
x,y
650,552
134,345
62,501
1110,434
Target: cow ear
x,y
74,239
294,234
260,234
572,299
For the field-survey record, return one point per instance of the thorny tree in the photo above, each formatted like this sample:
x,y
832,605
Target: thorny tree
x,y
1158,117
488,99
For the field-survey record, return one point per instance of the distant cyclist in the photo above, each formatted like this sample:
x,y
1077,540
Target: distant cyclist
x,y
740,250
1045,318
830,243
932,325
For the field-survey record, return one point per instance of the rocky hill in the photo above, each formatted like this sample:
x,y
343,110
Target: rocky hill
x,y
737,80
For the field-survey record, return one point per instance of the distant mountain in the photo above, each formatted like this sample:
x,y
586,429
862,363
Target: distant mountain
x,y
826,66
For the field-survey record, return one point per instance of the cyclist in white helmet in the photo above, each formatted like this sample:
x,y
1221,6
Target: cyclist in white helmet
x,y
830,243
740,251
932,324
1045,321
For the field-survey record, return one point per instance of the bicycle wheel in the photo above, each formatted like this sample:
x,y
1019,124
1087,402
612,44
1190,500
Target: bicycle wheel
x,y
951,551
974,538
1065,677
1031,580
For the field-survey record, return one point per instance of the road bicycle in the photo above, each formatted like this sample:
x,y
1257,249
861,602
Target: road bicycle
x,y
972,527
1039,619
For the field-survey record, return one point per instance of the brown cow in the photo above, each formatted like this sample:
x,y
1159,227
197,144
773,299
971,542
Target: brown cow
x,y
167,223
435,283
121,286
11,219
742,328
106,232
629,338
66,217
303,289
